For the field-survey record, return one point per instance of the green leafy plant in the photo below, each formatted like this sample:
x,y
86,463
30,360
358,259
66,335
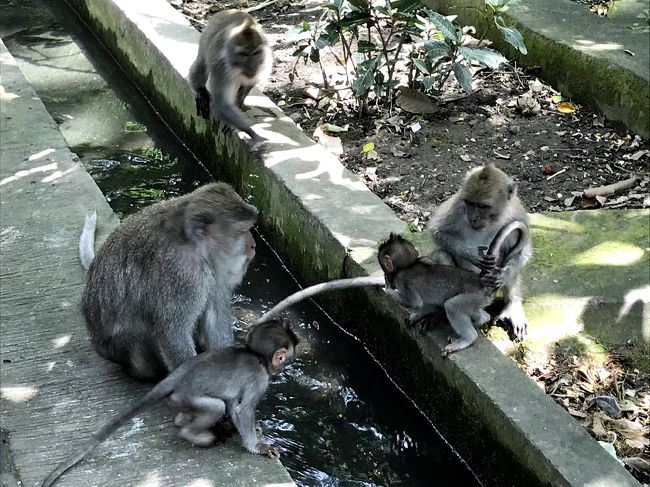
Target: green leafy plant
x,y
446,50
495,9
369,38
370,34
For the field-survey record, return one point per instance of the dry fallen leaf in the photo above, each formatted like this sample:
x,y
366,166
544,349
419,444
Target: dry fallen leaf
x,y
371,176
414,101
566,107
598,428
576,413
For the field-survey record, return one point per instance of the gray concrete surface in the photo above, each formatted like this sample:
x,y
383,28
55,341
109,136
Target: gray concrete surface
x,y
326,224
55,391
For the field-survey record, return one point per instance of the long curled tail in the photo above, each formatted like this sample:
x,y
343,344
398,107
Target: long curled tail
x,y
163,389
337,284
490,279
87,240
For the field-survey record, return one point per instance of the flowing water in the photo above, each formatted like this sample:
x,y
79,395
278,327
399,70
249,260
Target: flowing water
x,y
337,418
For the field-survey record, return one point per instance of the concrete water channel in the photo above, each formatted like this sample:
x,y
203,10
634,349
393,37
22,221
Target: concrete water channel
x,y
335,415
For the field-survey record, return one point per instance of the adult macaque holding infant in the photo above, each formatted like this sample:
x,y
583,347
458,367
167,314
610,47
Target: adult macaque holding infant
x,y
159,289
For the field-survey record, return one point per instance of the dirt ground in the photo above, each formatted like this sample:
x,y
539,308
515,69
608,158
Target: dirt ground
x,y
553,156
421,159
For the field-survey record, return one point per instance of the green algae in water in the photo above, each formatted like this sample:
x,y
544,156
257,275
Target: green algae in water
x,y
133,180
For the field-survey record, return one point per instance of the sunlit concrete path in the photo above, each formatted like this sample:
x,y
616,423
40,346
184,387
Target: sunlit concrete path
x,y
55,390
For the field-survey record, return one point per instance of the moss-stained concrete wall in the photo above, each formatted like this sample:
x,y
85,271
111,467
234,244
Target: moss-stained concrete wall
x,y
326,224
584,56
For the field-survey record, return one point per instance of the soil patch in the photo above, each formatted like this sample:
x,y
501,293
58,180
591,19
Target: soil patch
x,y
553,156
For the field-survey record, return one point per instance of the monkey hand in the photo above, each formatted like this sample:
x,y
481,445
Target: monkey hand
x,y
487,262
268,450
259,144
202,100
492,279
514,315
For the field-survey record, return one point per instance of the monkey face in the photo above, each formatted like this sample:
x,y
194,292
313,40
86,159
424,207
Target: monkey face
x,y
248,52
478,214
396,254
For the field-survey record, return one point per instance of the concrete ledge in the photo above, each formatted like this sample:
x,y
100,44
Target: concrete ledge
x,y
583,56
326,224
55,390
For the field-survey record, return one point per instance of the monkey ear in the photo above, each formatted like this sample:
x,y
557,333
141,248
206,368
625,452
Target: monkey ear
x,y
279,357
388,263
511,188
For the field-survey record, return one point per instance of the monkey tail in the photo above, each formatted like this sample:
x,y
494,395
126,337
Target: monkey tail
x,y
504,232
323,287
163,389
87,240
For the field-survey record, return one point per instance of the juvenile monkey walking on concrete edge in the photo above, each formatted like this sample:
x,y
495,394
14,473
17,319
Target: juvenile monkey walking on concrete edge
x,y
471,218
230,381
233,57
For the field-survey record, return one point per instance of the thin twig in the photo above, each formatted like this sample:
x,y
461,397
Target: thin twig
x,y
610,188
260,6
553,175
192,19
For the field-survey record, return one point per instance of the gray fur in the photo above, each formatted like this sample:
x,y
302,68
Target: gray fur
x,y
323,287
456,240
159,289
231,381
233,57
423,287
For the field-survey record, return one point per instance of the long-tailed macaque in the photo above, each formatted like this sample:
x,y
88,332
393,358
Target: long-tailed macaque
x,y
470,219
422,286
233,57
230,381
159,289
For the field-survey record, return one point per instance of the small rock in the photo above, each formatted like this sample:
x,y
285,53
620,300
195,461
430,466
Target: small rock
x,y
536,86
528,105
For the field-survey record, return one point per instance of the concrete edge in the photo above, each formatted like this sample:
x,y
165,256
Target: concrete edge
x,y
42,280
489,410
618,87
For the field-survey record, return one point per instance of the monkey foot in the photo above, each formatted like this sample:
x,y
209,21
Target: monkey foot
x,y
202,100
455,345
183,419
514,316
258,144
268,450
203,439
